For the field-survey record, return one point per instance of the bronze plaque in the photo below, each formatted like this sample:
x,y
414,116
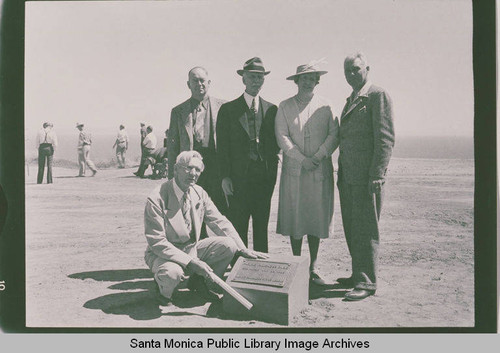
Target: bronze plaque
x,y
265,273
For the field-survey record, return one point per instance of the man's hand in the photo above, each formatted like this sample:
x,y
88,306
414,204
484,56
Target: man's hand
x,y
200,268
375,186
227,186
250,254
309,164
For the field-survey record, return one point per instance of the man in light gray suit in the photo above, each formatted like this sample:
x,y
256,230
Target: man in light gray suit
x,y
366,143
174,214
192,127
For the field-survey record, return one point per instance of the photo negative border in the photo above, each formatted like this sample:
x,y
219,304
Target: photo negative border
x,y
12,238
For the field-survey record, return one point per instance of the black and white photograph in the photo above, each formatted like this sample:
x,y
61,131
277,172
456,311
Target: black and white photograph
x,y
249,164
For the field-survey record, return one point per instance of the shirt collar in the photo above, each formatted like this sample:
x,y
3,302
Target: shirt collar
x,y
249,98
195,103
363,91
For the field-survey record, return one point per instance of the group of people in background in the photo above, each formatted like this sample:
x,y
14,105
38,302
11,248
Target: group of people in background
x,y
231,150
46,143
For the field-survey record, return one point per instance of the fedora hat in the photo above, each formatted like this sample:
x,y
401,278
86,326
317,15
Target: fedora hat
x,y
253,65
310,68
79,124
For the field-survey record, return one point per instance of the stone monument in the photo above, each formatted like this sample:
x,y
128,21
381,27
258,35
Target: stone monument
x,y
278,287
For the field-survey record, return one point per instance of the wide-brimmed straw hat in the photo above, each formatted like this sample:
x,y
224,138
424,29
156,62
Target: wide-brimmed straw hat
x,y
311,68
253,65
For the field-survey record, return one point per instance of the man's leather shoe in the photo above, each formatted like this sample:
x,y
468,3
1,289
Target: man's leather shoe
x,y
358,294
346,282
316,279
162,300
197,284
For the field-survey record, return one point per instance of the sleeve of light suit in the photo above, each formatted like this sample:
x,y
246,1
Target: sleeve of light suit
x,y
154,229
173,143
219,224
283,138
383,133
332,139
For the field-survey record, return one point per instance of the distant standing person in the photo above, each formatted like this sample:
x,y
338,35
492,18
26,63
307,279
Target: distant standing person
x,y
121,144
192,127
84,143
143,131
308,134
366,143
148,146
248,155
46,143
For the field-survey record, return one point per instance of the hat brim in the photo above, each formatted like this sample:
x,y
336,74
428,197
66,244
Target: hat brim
x,y
306,72
241,72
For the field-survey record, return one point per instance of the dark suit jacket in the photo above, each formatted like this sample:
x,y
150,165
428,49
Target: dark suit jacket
x,y
366,137
180,132
233,139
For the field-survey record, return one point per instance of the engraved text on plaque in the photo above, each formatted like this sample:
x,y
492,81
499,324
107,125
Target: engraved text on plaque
x,y
265,273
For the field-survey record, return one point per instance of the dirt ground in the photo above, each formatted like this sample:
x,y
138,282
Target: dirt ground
x,y
85,246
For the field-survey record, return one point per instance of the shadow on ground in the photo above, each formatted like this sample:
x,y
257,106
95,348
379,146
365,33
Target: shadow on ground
x,y
327,291
70,177
114,275
144,304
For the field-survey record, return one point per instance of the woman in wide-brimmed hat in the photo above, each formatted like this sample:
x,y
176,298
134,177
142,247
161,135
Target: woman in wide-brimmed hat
x,y
307,133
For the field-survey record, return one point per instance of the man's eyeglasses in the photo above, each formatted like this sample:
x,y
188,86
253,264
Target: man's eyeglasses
x,y
189,169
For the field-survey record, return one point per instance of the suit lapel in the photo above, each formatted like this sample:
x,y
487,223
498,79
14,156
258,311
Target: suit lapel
x,y
174,215
187,116
352,107
195,212
243,117
214,110
260,114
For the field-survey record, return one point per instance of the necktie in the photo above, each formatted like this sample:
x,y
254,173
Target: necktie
x,y
252,127
198,124
252,107
186,210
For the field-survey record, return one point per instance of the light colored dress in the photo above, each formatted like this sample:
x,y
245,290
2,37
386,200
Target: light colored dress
x,y
306,197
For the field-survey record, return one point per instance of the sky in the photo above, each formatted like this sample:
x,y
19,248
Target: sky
x,y
107,63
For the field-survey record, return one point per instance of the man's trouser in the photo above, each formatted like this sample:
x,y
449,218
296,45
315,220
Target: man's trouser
x,y
216,251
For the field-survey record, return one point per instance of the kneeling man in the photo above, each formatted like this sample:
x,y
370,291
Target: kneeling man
x,y
174,214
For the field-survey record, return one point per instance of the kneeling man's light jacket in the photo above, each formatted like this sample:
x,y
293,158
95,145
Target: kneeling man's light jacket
x,y
165,228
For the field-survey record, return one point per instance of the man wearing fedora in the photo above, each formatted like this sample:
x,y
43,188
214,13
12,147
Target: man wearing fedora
x,y
248,155
84,143
366,143
192,127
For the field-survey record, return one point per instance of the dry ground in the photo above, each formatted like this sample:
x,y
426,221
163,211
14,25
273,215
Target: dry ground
x,y
85,245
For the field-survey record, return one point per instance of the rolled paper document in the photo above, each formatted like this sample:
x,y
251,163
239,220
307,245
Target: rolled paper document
x,y
241,299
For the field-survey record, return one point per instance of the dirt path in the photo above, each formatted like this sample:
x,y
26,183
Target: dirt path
x,y
85,245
